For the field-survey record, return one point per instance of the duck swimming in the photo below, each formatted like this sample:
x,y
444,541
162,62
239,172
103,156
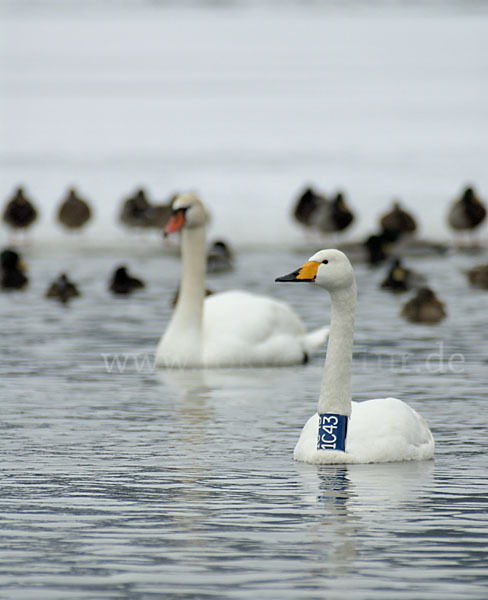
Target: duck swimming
x,y
478,276
220,258
123,283
424,307
62,289
343,431
228,329
379,246
400,279
12,270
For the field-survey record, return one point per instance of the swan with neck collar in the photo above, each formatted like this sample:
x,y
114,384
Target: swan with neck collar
x,y
382,430
229,329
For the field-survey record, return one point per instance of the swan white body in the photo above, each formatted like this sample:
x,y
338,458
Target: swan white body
x,y
382,430
229,329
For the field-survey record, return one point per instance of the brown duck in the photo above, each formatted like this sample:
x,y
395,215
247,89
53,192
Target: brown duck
x,y
425,307
74,212
398,220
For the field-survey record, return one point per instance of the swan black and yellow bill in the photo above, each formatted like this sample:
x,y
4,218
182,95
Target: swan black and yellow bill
x,y
307,272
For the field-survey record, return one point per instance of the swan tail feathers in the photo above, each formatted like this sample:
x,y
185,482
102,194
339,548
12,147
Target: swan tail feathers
x,y
315,339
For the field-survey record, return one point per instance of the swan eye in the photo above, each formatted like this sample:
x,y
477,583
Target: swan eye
x,y
182,210
324,262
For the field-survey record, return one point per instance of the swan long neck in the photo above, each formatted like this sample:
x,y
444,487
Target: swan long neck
x,y
189,308
335,393
182,343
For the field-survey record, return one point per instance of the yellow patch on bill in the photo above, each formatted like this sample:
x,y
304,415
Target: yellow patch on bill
x,y
308,271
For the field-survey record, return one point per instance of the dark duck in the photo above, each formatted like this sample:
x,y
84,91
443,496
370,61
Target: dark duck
x,y
12,270
134,210
334,215
138,211
378,246
19,212
400,279
62,289
123,283
467,213
306,207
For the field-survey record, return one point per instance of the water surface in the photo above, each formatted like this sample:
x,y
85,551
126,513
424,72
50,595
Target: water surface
x,y
135,483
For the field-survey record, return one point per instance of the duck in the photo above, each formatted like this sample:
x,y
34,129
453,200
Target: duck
x,y
344,431
467,212
19,212
220,258
341,214
424,307
123,283
234,328
334,215
307,205
378,246
62,289
138,211
12,269
398,220
400,279
478,276
74,211
157,215
134,209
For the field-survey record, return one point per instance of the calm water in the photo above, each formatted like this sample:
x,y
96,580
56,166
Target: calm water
x,y
132,483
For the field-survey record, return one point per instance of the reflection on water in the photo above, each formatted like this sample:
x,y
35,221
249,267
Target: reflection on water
x,y
355,497
367,488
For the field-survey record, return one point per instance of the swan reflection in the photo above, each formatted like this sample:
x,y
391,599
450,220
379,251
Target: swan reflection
x,y
355,498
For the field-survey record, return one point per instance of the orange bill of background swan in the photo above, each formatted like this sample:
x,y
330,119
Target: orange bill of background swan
x,y
175,223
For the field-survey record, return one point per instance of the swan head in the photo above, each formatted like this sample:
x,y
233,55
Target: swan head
x,y
329,269
187,211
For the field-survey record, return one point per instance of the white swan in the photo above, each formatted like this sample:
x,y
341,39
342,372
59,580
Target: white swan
x,y
383,430
229,329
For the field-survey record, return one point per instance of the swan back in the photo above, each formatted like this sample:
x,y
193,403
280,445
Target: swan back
x,y
380,430
253,329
